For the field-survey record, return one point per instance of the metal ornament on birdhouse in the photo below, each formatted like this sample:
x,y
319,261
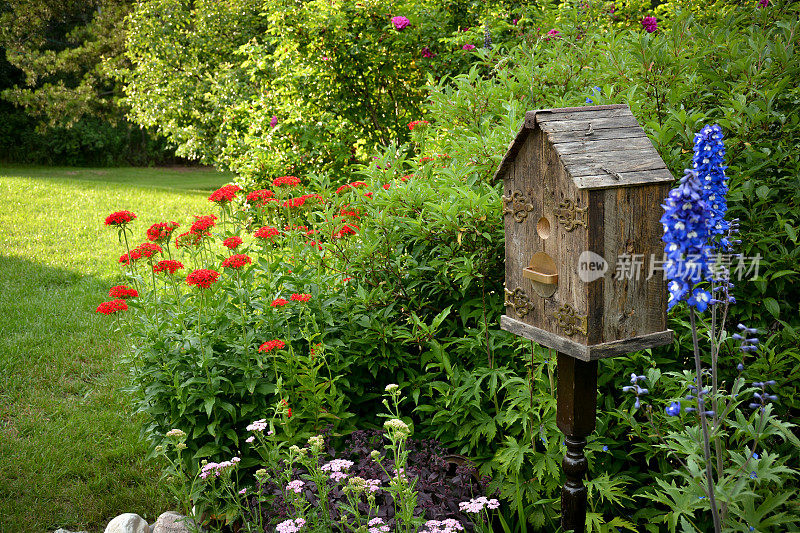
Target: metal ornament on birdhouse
x,y
582,194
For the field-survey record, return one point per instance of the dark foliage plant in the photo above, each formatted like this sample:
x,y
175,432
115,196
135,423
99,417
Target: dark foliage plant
x,y
442,480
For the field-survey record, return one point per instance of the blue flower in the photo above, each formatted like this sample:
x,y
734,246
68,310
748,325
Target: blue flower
x,y
605,448
755,456
753,475
673,409
695,229
595,90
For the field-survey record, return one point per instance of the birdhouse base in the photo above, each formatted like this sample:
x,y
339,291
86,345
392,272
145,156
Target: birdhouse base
x,y
581,351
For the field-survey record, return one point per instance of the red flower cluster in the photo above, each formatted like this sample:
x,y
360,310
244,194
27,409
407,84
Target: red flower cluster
x,y
122,291
315,244
386,186
294,202
348,186
148,249
127,259
278,302
267,233
161,231
412,125
224,194
289,409
260,196
167,265
347,229
188,239
350,213
119,218
108,308
407,177
291,181
237,261
202,277
271,345
232,242
301,297
203,224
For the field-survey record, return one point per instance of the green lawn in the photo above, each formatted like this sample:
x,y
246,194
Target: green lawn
x,y
70,454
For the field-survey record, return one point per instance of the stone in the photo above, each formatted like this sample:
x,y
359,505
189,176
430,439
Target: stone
x,y
128,523
172,522
62,530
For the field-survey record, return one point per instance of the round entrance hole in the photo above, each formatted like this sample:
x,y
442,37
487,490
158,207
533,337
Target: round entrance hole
x,y
543,228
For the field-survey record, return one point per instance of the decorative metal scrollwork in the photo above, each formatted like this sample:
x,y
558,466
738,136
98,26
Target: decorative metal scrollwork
x,y
516,204
570,215
519,302
571,322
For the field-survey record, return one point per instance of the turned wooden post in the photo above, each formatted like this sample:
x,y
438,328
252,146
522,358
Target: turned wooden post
x,y
576,410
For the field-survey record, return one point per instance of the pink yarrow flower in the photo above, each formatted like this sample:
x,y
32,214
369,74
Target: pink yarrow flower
x,y
290,526
295,486
400,23
468,47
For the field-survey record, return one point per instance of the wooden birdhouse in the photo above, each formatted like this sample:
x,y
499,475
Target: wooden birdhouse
x,y
582,194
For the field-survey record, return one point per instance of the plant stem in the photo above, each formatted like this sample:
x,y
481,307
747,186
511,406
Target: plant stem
x,y
701,411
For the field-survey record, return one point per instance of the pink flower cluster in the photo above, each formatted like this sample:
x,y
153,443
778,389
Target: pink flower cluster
x,y
400,23
476,505
258,425
290,526
649,24
449,525
295,486
337,468
377,525
373,485
217,468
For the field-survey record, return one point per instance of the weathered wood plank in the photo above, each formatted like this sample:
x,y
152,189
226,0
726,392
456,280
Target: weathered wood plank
x,y
634,344
545,338
589,124
582,113
511,154
589,145
579,351
626,179
618,161
579,135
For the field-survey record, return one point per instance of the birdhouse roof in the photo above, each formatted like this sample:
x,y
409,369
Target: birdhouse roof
x,y
600,146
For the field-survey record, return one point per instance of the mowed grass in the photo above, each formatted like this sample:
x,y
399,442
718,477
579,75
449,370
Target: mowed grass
x,y
70,454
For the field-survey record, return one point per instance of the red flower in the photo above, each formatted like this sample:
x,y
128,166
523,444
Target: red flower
x,y
345,280
224,194
291,181
202,224
127,259
161,231
167,265
294,202
289,409
260,196
350,212
188,239
267,233
301,297
386,186
314,244
148,249
348,186
122,291
271,345
232,242
289,413
119,218
407,177
278,302
425,159
368,194
237,261
416,123
108,308
202,277
347,229
313,196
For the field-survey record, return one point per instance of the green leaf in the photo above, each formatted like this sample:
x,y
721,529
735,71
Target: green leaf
x,y
772,306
